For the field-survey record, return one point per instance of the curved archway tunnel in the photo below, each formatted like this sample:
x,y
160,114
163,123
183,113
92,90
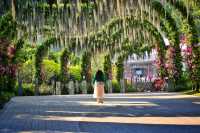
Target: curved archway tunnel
x,y
118,29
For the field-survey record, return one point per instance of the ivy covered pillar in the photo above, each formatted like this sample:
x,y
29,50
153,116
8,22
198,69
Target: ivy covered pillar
x,y
108,72
64,71
120,72
86,72
41,51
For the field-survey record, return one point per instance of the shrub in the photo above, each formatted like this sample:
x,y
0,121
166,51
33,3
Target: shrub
x,y
28,89
51,68
45,89
130,88
116,86
5,97
26,71
75,72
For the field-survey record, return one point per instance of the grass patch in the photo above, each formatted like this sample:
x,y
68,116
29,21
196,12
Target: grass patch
x,y
191,92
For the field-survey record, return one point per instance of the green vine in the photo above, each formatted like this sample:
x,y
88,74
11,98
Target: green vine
x,y
86,67
108,67
41,51
120,68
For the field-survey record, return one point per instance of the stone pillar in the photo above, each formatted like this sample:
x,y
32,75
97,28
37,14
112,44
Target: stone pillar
x,y
53,87
65,88
77,86
109,85
122,86
71,87
36,87
84,87
58,88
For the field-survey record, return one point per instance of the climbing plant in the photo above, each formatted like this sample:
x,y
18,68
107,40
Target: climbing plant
x,y
41,51
86,67
108,67
157,5
195,64
9,49
120,67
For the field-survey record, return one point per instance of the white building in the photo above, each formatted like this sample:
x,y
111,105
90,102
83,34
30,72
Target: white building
x,y
141,68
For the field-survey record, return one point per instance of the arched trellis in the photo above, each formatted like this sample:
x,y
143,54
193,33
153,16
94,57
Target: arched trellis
x,y
157,5
161,11
103,37
182,7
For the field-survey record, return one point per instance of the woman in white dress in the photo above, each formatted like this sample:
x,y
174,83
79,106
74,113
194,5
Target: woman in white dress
x,y
98,82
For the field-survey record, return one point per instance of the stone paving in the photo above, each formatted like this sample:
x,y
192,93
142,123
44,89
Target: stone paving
x,y
121,113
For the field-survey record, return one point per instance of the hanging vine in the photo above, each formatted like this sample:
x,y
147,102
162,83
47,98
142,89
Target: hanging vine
x,y
157,5
195,64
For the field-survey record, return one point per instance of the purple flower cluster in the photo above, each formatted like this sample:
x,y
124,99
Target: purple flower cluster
x,y
8,70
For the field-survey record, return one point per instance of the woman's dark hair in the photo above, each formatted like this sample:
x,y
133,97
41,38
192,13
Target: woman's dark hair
x,y
99,75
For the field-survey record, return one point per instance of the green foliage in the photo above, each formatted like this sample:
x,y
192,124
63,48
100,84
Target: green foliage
x,y
191,17
116,86
18,47
120,68
45,89
40,53
108,67
75,60
86,67
8,31
130,88
75,72
27,71
7,27
53,56
51,68
26,53
157,5
28,89
5,97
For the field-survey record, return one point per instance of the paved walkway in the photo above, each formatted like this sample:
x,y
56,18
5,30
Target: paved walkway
x,y
121,113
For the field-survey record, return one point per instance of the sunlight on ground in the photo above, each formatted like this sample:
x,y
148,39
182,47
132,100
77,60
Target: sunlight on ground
x,y
116,103
130,120
154,97
196,103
